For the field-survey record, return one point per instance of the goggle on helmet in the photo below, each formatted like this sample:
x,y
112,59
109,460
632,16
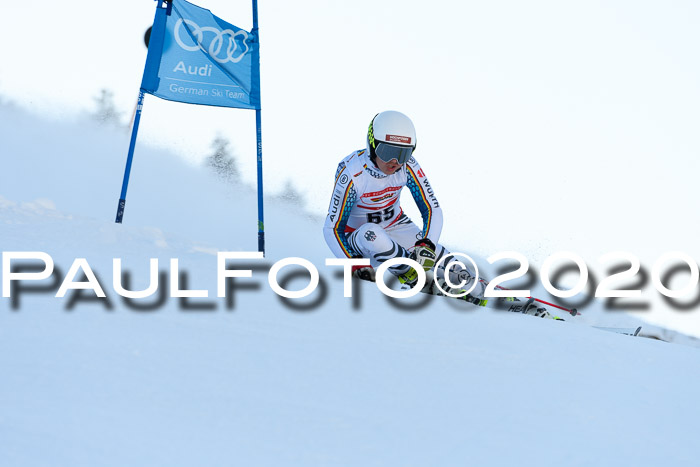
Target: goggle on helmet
x,y
391,135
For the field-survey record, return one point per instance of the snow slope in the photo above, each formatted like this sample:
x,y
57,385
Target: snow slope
x,y
257,381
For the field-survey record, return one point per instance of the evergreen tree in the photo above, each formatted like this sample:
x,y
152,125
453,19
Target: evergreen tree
x,y
222,162
292,195
106,112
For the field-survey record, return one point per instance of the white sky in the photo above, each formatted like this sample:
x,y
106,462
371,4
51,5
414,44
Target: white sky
x,y
543,125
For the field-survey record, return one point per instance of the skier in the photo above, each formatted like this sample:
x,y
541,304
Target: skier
x,y
365,219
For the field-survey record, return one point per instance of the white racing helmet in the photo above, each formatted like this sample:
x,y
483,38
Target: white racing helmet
x,y
391,135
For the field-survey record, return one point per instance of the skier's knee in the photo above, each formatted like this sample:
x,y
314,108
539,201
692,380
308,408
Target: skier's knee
x,y
372,238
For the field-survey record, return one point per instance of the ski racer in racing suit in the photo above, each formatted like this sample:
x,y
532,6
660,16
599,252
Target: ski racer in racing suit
x,y
365,218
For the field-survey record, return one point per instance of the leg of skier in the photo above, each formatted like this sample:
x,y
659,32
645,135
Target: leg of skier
x,y
459,271
373,242
379,244
406,233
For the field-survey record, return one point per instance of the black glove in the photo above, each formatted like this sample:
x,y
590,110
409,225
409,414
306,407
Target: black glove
x,y
426,242
363,272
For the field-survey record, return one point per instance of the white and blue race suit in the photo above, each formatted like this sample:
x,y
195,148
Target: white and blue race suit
x,y
365,218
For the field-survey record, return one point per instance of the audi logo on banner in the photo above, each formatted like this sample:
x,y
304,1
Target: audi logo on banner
x,y
227,38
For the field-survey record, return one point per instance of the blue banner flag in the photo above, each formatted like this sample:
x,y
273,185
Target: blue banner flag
x,y
198,58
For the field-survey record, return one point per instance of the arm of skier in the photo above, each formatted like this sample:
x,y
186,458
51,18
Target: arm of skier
x,y
425,199
342,202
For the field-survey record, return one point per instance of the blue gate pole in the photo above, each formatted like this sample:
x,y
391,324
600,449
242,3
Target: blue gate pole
x,y
258,126
129,159
261,225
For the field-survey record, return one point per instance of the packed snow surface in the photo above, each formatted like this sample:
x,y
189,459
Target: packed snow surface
x,y
256,380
